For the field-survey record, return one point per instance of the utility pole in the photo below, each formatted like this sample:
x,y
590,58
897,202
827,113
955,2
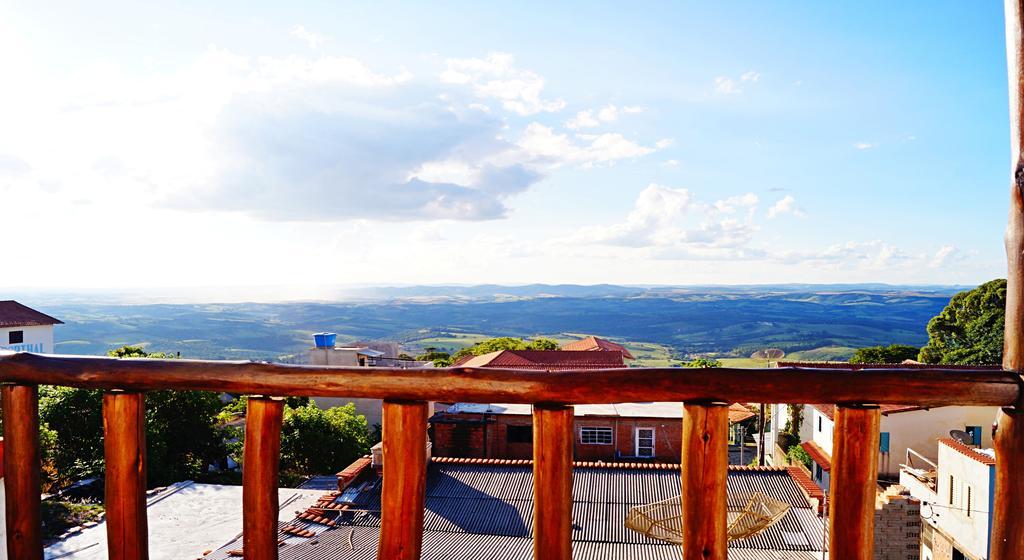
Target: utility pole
x,y
760,451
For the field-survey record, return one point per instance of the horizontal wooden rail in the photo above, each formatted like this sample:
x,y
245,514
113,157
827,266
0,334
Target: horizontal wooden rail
x,y
924,387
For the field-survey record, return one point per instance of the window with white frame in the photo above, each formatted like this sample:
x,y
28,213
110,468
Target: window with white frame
x,y
645,442
595,435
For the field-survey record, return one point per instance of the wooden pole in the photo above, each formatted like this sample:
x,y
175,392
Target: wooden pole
x,y
1007,518
260,464
405,480
854,482
552,481
21,471
124,431
1007,514
705,466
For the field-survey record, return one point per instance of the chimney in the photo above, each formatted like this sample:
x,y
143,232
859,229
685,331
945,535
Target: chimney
x,y
377,454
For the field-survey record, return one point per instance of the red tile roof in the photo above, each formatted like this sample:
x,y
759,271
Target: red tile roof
x,y
551,360
595,343
968,451
14,314
818,455
591,464
805,483
739,413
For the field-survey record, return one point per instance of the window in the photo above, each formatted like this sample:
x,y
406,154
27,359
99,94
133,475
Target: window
x,y
519,434
645,442
883,442
975,432
967,497
592,435
817,472
16,337
952,489
819,423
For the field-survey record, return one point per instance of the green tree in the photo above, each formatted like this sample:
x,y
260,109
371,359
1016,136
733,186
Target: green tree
x,y
440,359
543,344
892,354
970,329
316,441
181,439
490,345
796,454
702,363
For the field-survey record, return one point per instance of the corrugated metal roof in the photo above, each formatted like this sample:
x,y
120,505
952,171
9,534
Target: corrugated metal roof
x,y
486,510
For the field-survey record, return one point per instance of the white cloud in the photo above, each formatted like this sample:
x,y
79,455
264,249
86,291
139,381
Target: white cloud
x,y
672,163
728,86
865,145
496,77
673,224
314,40
786,205
608,114
594,117
290,138
945,255
583,119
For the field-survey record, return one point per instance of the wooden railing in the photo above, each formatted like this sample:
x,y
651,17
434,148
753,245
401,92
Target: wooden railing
x,y
406,393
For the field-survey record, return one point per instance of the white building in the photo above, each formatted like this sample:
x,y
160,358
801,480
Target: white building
x,y
902,428
956,496
23,329
365,354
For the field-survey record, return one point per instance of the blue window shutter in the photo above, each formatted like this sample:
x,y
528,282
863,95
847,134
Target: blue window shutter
x,y
883,442
975,432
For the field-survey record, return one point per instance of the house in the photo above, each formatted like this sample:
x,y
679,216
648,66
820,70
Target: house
x,y
548,360
902,428
478,508
593,343
23,329
325,352
603,432
956,493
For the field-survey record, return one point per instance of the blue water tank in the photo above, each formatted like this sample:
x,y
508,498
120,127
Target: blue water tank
x,y
324,339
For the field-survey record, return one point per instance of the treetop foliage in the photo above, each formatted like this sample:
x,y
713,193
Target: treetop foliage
x,y
702,363
892,354
504,343
970,329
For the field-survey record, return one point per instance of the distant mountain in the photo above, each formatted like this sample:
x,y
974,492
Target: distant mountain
x,y
683,320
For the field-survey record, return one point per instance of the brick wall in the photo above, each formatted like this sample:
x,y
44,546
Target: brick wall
x,y
897,525
468,439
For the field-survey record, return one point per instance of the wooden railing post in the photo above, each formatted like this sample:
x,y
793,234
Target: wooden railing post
x,y
552,481
405,480
260,463
124,431
1007,518
21,471
854,482
705,468
1007,511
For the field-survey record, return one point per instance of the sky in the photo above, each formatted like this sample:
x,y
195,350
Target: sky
x,y
309,144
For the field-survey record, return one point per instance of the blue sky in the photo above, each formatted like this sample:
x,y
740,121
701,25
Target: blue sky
x,y
324,143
